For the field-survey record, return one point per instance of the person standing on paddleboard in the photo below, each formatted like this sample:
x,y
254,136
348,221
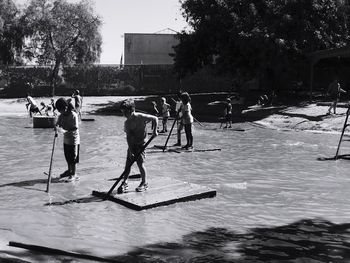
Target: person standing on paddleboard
x,y
68,120
187,119
135,128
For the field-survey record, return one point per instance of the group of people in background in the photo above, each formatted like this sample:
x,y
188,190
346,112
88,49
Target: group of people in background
x,y
183,117
50,108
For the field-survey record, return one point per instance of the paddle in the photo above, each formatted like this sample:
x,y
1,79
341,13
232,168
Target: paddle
x,y
198,122
193,116
49,175
171,130
128,167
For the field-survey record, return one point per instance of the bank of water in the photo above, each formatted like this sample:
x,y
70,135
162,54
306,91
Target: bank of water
x,y
275,199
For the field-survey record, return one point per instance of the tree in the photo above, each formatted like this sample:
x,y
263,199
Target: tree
x,y
11,33
263,38
62,33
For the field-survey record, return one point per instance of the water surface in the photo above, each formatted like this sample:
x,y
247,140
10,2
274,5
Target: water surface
x,y
275,201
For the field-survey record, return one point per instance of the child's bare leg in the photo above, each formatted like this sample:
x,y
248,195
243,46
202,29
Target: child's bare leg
x,y
73,168
124,185
163,122
166,124
179,136
190,136
127,171
142,169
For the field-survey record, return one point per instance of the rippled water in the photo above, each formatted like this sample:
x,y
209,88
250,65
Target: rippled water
x,y
275,201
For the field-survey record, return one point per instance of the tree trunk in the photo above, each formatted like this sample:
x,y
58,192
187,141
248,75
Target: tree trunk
x,y
54,76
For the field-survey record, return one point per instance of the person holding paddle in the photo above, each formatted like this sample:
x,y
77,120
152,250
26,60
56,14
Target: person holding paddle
x,y
334,91
187,119
135,128
228,113
68,120
178,109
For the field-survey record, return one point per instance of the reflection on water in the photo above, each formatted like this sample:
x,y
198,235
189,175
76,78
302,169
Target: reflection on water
x,y
272,194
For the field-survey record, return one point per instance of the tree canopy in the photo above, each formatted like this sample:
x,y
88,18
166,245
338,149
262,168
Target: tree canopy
x,y
266,38
11,33
62,33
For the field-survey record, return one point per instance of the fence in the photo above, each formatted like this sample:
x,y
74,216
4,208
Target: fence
x,y
106,80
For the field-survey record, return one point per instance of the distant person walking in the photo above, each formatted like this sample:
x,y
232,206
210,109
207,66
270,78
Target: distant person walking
x,y
68,121
78,102
228,113
165,112
32,106
52,103
334,91
155,111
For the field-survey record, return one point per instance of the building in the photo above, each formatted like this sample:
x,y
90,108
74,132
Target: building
x,y
149,49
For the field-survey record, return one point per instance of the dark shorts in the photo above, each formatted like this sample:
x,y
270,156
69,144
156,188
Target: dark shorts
x,y
71,153
228,117
134,151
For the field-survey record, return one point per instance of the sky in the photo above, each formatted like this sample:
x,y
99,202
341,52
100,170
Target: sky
x,y
132,16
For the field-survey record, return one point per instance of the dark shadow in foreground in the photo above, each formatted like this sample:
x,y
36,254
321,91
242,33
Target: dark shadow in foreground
x,y
308,240
26,183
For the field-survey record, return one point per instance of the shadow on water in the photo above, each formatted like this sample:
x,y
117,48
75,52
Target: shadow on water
x,y
26,183
304,116
307,240
88,199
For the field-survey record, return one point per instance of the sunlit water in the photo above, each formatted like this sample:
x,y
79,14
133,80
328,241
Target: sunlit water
x,y
275,201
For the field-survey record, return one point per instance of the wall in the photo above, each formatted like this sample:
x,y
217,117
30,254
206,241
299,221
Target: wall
x,y
148,49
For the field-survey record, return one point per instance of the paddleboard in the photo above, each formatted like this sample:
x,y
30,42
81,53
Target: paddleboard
x,y
162,146
181,150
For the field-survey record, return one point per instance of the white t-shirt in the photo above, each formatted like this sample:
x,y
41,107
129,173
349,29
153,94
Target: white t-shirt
x,y
187,117
178,107
31,101
70,123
